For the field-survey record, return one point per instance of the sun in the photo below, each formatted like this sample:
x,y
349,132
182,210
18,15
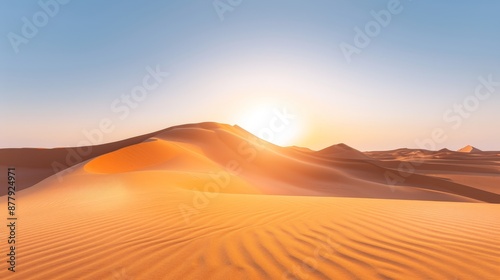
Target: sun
x,y
275,124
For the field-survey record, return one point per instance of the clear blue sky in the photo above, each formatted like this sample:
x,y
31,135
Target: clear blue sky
x,y
240,64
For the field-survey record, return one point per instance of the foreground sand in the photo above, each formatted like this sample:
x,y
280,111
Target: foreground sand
x,y
115,231
192,202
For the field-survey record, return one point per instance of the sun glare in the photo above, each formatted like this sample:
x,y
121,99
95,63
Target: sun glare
x,y
275,124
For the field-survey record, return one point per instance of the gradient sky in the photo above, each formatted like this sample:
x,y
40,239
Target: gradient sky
x,y
262,57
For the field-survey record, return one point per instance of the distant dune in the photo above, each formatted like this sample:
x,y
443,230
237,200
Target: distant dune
x,y
469,149
213,201
342,151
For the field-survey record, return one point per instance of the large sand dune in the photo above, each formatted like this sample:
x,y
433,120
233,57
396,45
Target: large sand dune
x,y
212,201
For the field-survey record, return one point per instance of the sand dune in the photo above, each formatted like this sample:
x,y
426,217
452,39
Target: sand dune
x,y
213,201
342,151
469,149
338,170
471,167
